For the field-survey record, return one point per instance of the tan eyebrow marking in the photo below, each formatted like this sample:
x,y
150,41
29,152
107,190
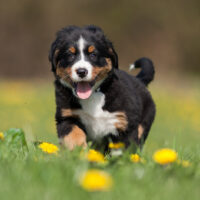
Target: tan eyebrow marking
x,y
91,49
72,49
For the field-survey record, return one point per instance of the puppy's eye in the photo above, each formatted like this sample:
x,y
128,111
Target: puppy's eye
x,y
71,57
93,56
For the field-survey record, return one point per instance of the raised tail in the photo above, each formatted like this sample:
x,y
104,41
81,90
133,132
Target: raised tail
x,y
146,75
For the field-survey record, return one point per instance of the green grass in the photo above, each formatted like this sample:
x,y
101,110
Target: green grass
x,y
34,175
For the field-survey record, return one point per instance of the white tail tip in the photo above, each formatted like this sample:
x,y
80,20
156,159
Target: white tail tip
x,y
131,67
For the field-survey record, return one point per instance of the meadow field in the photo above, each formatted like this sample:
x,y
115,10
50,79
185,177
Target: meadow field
x,y
26,172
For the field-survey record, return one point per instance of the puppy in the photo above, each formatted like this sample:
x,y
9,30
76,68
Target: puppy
x,y
95,100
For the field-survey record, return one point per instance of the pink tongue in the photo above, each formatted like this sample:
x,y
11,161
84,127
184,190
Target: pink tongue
x,y
83,90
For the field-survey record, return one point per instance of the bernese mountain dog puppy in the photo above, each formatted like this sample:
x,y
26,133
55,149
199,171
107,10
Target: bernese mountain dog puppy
x,y
95,100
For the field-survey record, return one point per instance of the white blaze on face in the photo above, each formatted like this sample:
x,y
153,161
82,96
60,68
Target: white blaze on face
x,y
82,63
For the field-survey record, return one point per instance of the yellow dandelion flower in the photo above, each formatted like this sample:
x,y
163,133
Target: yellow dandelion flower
x,y
48,147
116,145
165,156
135,158
96,180
1,136
95,156
184,163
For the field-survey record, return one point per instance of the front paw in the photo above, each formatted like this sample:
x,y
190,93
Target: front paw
x,y
76,137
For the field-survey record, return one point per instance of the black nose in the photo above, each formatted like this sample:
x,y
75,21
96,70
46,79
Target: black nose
x,y
82,72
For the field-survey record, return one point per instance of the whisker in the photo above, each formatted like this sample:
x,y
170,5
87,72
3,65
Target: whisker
x,y
66,76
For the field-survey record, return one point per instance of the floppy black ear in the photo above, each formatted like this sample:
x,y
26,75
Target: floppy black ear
x,y
113,56
53,54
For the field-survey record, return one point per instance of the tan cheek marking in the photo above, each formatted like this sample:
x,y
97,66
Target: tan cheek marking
x,y
76,137
101,72
140,131
109,63
64,73
68,113
72,49
91,49
122,121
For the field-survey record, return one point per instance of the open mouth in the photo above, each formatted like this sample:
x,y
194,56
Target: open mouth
x,y
83,89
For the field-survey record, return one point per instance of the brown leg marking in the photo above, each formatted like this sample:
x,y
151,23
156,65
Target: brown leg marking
x,y
67,112
76,137
122,121
140,131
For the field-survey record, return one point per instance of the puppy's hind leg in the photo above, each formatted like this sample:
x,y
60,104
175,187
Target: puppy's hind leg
x,y
147,120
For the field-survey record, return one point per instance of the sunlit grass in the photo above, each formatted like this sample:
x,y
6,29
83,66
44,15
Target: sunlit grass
x,y
29,106
34,174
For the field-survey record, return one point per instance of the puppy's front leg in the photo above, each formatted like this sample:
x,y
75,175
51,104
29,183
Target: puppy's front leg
x,y
71,135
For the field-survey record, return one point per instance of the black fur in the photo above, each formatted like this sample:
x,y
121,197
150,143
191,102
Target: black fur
x,y
147,73
122,91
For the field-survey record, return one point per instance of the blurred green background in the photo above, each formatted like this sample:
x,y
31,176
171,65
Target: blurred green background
x,y
30,105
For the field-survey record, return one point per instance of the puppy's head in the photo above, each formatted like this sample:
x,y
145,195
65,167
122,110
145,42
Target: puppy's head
x,y
82,58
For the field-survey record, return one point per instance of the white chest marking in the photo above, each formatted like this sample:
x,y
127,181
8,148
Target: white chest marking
x,y
97,121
